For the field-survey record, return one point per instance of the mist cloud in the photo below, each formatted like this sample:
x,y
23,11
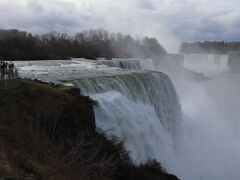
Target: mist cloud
x,y
169,20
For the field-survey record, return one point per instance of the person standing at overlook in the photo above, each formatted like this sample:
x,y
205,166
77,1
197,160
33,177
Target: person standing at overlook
x,y
2,68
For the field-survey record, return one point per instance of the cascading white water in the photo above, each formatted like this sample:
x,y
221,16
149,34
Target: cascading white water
x,y
146,64
218,60
209,145
133,64
141,109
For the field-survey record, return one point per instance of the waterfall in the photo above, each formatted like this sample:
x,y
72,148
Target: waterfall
x,y
207,62
218,60
146,64
141,109
122,64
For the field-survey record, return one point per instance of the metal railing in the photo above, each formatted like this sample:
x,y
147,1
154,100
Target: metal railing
x,y
8,73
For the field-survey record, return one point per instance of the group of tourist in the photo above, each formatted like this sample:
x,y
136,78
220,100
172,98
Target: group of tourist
x,y
7,69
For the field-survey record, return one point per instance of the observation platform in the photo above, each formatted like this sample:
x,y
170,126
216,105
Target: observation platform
x,y
9,78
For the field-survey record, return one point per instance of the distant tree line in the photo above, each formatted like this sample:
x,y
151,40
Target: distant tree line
x,y
21,45
212,47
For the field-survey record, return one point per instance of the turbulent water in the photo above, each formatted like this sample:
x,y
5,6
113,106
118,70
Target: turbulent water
x,y
195,139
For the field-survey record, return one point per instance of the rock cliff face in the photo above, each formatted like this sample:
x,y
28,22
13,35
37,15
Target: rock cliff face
x,y
48,132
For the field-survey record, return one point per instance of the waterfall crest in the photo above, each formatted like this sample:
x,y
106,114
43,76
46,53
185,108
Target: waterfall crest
x,y
138,64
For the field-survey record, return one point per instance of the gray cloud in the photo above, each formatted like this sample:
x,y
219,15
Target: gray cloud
x,y
169,20
146,4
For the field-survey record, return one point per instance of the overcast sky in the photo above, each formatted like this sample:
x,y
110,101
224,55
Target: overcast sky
x,y
171,21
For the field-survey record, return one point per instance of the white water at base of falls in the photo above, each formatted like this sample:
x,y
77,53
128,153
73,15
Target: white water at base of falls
x,y
211,146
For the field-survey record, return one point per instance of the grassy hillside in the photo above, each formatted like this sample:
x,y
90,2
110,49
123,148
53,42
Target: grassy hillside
x,y
48,132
